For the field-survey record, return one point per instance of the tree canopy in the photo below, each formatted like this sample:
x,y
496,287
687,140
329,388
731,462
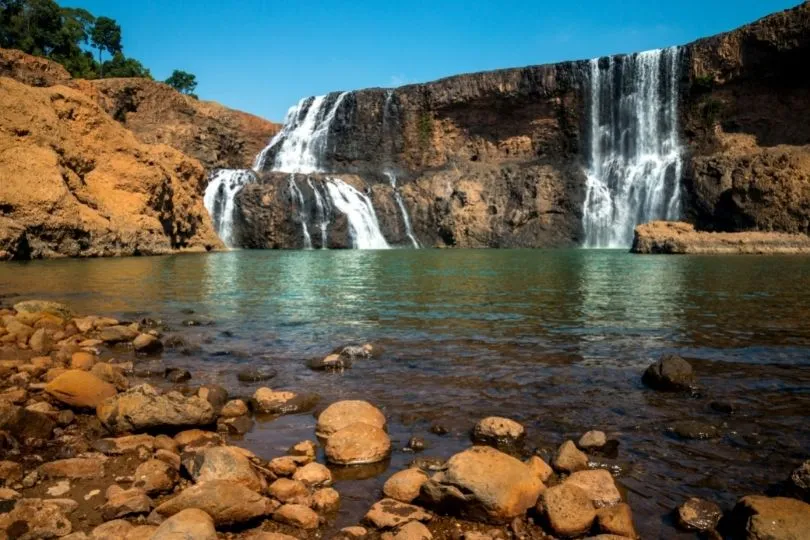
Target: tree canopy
x,y
65,35
182,82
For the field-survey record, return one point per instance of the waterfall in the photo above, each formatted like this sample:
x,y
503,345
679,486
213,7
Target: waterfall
x,y
634,167
405,217
222,187
363,225
322,208
298,198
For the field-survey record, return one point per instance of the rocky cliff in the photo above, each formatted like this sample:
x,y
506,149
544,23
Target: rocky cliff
x,y
86,172
497,159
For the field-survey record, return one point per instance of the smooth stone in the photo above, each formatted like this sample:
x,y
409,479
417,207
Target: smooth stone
x,y
234,408
388,513
80,389
404,486
169,457
698,515
188,524
147,344
569,458
358,444
670,374
304,448
82,360
112,374
756,517
326,500
592,439
228,503
413,531
283,466
344,413
616,520
353,532
197,438
568,509
498,431
235,426
540,468
289,491
598,484
112,530
214,394
155,476
297,515
117,334
313,475
269,401
145,407
73,468
125,502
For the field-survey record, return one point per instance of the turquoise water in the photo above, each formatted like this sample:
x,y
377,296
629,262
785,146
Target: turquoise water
x,y
556,339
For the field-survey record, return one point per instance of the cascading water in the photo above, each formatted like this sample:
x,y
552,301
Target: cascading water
x,y
635,161
363,225
322,209
219,200
406,219
295,191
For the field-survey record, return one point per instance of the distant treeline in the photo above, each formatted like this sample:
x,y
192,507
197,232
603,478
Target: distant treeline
x,y
44,28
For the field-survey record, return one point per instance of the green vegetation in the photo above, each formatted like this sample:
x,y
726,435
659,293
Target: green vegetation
x,y
425,129
182,82
44,28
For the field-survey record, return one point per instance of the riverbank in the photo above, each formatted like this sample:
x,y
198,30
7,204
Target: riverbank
x,y
157,446
677,238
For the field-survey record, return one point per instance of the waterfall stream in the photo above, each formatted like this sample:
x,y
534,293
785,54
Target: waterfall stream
x,y
634,158
298,197
219,200
363,225
406,219
322,208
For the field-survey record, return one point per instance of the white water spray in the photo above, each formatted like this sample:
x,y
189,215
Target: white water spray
x,y
363,225
635,160
321,206
406,219
295,192
219,200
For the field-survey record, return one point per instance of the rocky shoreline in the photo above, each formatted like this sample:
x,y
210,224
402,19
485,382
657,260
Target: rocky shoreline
x,y
91,452
677,238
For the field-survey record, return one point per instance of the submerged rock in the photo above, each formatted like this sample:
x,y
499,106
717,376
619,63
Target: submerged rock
x,y
800,481
256,374
694,429
269,401
671,374
698,515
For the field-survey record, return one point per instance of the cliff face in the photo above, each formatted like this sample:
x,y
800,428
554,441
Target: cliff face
x,y
747,123
112,167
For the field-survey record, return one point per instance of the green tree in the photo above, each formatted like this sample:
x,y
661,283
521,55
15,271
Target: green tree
x,y
121,66
106,36
183,81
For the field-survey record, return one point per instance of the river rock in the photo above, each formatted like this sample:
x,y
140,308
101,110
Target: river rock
x,y
698,515
73,468
40,342
297,515
592,440
155,476
25,424
112,374
191,523
314,475
268,401
332,362
147,344
483,483
289,491
569,459
234,409
256,374
117,334
404,486
226,502
413,531
125,502
388,513
694,429
616,520
112,530
357,444
540,468
145,407
326,500
670,374
344,413
283,466
222,463
568,509
44,306
756,517
177,375
80,389
125,444
307,449
82,360
32,519
598,484
235,426
197,438
214,394
498,431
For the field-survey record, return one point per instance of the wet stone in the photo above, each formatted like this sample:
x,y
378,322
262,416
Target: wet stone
x,y
670,374
694,429
569,459
592,440
698,515
177,375
256,374
388,513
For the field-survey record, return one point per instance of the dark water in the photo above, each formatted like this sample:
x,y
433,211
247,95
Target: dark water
x,y
554,339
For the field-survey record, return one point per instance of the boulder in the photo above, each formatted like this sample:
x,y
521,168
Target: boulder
x,y
698,515
155,476
598,484
44,306
540,468
147,344
145,407
567,509
234,408
267,401
344,413
592,440
191,523
388,513
78,388
670,374
222,463
32,519
616,520
297,515
117,334
357,444
197,438
227,502
289,491
404,486
326,500
498,431
125,502
413,531
569,459
313,475
484,484
756,517
283,466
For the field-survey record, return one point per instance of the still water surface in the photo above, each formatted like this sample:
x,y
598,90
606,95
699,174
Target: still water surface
x,y
555,339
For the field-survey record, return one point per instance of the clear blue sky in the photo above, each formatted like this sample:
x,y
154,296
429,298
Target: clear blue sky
x,y
263,56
